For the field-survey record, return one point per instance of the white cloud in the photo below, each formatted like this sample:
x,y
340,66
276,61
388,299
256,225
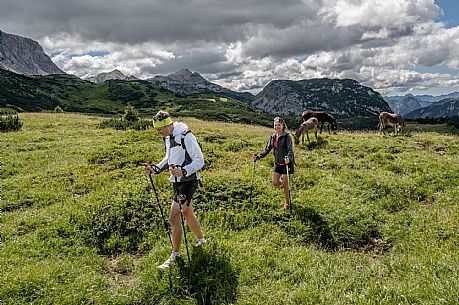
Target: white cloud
x,y
243,45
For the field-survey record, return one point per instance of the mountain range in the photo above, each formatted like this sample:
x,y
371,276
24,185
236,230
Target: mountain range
x,y
447,107
344,98
404,104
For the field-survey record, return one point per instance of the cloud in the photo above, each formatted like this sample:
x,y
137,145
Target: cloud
x,y
243,45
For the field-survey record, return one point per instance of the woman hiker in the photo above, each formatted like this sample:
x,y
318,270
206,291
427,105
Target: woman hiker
x,y
183,159
283,156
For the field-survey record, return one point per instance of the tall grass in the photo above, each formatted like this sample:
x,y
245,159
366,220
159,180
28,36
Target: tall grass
x,y
374,219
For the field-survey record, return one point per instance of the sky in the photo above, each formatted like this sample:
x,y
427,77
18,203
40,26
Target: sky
x,y
393,46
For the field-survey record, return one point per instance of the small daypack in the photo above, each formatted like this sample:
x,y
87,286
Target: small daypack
x,y
187,156
184,133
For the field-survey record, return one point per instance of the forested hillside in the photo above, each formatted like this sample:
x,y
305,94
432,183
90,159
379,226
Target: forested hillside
x,y
38,93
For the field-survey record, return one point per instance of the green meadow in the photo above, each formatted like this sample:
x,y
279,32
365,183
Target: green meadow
x,y
374,219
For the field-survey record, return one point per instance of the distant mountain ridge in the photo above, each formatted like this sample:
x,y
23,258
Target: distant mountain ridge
x,y
184,82
448,107
341,97
405,104
25,56
114,74
344,98
72,94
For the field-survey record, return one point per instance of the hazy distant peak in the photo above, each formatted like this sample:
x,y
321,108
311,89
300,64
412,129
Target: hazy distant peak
x,y
408,103
104,76
185,82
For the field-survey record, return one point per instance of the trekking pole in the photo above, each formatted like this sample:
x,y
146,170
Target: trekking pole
x,y
288,187
160,208
251,185
181,213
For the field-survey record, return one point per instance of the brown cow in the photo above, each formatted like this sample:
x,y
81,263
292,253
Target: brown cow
x,y
305,127
323,118
386,118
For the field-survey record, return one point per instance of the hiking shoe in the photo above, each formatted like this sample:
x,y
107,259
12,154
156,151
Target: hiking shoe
x,y
201,242
168,261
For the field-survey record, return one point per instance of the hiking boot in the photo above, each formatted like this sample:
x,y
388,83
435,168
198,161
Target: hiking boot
x,y
201,242
168,261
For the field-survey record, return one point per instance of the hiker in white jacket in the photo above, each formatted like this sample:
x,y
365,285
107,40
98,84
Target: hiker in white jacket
x,y
183,159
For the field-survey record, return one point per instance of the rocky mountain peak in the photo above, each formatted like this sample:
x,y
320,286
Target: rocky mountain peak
x,y
185,82
340,97
187,76
104,76
183,72
25,56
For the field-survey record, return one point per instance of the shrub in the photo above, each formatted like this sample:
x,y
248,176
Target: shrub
x,y
130,114
9,120
121,222
120,124
130,120
58,109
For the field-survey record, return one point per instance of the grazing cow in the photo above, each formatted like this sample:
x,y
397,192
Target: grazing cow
x,y
310,124
323,118
386,118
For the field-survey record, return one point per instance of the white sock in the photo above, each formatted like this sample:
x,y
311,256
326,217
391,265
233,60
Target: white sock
x,y
175,254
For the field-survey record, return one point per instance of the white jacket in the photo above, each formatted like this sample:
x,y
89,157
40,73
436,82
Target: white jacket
x,y
175,154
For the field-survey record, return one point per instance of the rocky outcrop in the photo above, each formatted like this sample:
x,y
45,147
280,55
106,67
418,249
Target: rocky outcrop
x,y
340,97
115,74
25,56
184,82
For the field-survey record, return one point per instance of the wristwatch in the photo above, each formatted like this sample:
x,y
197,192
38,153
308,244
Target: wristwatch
x,y
184,172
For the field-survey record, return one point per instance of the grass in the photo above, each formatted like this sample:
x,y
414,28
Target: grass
x,y
374,218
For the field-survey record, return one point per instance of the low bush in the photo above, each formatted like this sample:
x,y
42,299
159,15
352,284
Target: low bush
x,y
120,222
121,124
9,120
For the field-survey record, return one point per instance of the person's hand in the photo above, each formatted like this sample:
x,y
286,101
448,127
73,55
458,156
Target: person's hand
x,y
255,158
286,160
150,169
176,171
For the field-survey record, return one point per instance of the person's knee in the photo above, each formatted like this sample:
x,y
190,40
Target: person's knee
x,y
174,218
187,212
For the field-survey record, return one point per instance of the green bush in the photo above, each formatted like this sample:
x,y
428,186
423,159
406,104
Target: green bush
x,y
120,124
58,109
121,222
130,114
9,120
130,120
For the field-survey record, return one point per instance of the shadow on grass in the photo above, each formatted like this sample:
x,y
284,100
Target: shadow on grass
x,y
209,277
319,143
362,234
318,229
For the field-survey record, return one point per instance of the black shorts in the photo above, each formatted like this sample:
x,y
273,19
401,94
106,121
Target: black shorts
x,y
282,169
184,191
